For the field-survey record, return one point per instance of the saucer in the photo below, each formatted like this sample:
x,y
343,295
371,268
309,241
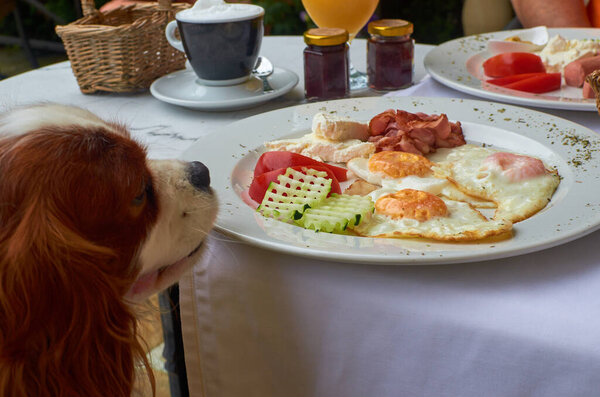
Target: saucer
x,y
181,88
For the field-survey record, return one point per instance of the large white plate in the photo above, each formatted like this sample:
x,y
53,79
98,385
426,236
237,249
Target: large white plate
x,y
457,64
574,211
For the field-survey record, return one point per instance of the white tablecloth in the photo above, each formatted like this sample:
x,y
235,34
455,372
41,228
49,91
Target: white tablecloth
x,y
259,323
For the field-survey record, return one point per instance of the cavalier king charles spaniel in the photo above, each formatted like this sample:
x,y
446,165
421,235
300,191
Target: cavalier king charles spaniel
x,y
88,228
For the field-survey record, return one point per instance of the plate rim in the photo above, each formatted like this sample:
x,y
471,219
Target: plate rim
x,y
437,75
447,257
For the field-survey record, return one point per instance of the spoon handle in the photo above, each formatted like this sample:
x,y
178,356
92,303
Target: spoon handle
x,y
266,86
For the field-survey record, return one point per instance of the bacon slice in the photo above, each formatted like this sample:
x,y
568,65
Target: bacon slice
x,y
417,133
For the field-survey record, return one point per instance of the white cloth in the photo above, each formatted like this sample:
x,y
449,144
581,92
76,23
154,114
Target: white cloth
x,y
261,323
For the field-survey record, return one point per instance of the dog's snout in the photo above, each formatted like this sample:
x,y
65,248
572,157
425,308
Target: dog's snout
x,y
198,175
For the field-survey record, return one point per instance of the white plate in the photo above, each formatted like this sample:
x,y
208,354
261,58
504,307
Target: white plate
x,y
574,211
180,88
457,64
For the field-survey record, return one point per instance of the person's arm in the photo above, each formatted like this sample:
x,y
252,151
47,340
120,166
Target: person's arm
x,y
552,13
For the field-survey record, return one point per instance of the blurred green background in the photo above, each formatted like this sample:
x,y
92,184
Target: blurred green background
x,y
435,21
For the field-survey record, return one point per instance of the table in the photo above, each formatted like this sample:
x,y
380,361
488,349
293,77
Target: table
x,y
259,323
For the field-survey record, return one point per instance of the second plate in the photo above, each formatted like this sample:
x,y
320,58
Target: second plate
x,y
457,64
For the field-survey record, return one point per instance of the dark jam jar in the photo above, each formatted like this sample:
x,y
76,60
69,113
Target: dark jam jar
x,y
326,64
390,51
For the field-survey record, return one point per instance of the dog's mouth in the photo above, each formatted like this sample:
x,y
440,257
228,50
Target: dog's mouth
x,y
149,281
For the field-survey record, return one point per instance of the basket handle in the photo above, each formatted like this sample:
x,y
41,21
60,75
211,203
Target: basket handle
x,y
164,5
88,7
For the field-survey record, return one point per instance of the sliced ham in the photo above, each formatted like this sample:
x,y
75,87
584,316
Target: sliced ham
x,y
576,71
417,133
588,91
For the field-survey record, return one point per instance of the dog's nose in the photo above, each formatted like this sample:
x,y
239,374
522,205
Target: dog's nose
x,y
198,175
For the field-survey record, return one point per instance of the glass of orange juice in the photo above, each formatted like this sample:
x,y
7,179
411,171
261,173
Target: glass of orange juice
x,y
351,15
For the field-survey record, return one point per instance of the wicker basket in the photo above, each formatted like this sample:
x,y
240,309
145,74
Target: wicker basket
x,y
123,50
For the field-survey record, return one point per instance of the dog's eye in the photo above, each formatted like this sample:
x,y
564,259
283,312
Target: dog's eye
x,y
139,200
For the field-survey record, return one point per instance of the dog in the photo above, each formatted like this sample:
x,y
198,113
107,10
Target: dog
x,y
89,227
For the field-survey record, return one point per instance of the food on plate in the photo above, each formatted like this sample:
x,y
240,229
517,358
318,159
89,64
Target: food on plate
x,y
416,133
399,164
360,188
260,183
332,139
434,188
519,185
517,39
303,197
576,71
400,170
592,86
541,83
530,82
587,91
411,204
559,52
413,213
270,161
294,192
510,63
503,81
520,63
337,213
337,129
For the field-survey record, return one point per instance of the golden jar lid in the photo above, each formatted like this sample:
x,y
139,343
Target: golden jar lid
x,y
390,27
326,36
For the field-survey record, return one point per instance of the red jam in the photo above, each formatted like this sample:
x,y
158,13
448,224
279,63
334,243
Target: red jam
x,y
390,53
326,64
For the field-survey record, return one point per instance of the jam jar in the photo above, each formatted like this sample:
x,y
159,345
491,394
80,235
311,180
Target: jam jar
x,y
390,52
326,64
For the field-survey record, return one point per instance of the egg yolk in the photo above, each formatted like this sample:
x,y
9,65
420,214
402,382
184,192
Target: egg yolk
x,y
410,203
399,164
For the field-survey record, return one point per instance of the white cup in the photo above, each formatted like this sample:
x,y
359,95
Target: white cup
x,y
220,40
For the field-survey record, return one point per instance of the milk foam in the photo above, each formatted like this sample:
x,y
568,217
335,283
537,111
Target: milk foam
x,y
213,11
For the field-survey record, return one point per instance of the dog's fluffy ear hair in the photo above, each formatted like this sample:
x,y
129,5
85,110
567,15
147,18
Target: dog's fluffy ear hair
x,y
64,327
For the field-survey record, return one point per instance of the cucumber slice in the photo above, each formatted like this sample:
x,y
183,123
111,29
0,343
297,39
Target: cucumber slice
x,y
337,213
294,192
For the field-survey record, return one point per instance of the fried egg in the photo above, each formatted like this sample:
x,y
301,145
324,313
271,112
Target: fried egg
x,y
519,185
401,170
416,213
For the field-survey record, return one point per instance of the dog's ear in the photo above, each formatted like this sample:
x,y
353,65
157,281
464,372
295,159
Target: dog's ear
x,y
64,326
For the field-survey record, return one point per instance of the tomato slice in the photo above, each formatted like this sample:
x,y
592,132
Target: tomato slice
x,y
261,182
509,63
502,81
545,82
275,160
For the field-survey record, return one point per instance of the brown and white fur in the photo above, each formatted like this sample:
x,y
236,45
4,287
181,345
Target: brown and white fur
x,y
88,228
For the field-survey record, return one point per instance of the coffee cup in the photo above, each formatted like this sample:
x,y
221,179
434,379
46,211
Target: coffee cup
x,y
221,40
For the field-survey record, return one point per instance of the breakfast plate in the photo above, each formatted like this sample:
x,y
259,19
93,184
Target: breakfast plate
x,y
573,150
457,64
180,88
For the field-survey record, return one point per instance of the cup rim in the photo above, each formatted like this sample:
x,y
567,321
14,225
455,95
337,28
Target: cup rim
x,y
260,13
